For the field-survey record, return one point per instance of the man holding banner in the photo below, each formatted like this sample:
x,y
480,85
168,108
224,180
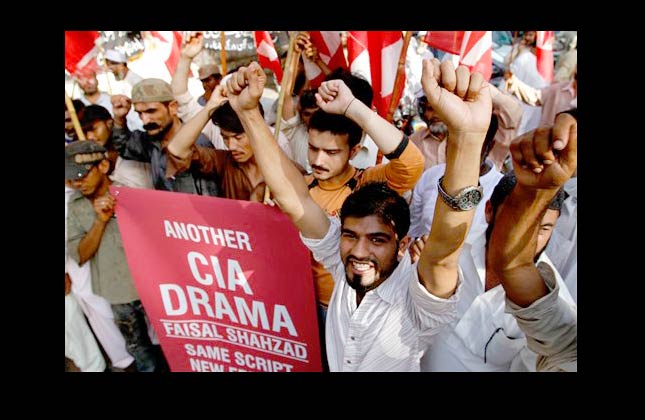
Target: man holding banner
x,y
383,308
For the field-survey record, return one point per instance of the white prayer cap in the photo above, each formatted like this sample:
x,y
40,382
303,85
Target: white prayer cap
x,y
116,56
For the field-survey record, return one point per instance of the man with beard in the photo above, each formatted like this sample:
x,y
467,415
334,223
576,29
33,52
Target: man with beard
x,y
124,78
157,108
383,308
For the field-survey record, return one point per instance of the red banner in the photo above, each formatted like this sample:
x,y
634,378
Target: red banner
x,y
80,50
226,284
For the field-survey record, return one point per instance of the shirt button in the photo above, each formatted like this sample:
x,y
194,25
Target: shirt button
x,y
349,362
353,338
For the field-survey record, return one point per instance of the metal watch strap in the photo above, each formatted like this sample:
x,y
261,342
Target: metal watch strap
x,y
447,198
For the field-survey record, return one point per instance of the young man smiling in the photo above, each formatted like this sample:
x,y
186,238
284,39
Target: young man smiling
x,y
383,307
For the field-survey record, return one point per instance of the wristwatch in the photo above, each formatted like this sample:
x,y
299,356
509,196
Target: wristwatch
x,y
466,199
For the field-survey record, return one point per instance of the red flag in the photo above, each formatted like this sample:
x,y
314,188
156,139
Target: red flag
x,y
476,52
267,54
375,56
80,50
544,54
449,41
473,47
330,49
174,39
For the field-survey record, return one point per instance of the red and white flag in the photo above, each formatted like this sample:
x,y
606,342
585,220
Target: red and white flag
x,y
375,56
80,50
330,50
474,48
173,39
544,54
476,52
267,54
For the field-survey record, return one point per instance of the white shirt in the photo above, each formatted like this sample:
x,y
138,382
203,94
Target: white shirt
x,y
426,192
485,338
296,132
366,156
394,322
563,245
132,173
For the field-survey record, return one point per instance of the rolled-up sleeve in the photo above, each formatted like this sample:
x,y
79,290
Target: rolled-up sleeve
x,y
551,327
429,311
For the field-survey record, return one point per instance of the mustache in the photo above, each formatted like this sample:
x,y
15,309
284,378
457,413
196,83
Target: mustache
x,y
320,168
151,126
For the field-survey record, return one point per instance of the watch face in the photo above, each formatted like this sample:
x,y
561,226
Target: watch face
x,y
469,199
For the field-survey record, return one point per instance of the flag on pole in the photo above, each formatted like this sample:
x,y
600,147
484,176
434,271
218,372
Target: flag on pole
x,y
330,50
375,56
80,50
474,48
267,54
544,54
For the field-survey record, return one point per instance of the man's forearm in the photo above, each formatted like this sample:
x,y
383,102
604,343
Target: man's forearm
x,y
88,246
439,261
514,241
386,136
179,83
181,144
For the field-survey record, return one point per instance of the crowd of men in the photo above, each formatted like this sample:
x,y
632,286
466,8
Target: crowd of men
x,y
458,252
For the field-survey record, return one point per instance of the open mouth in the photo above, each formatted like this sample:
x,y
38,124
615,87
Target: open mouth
x,y
361,267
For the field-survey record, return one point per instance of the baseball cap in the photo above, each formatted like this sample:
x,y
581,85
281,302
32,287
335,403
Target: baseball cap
x,y
80,156
152,90
207,70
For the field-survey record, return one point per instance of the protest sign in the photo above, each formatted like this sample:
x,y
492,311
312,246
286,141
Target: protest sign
x,y
226,284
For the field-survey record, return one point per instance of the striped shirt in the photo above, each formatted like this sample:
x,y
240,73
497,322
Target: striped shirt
x,y
394,323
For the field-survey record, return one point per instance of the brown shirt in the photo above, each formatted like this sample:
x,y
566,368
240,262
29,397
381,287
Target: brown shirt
x,y
229,175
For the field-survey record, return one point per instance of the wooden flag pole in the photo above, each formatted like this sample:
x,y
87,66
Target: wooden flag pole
x,y
287,74
398,85
72,113
222,53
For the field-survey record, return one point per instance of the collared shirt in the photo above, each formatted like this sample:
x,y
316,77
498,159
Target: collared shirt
x,y
393,324
111,276
400,174
424,200
485,338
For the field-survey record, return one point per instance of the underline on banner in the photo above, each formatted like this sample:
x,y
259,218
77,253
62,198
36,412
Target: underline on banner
x,y
237,328
241,345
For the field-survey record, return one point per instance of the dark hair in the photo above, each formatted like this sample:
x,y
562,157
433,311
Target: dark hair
x,y
504,188
336,124
377,199
226,118
360,87
308,99
93,113
78,105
